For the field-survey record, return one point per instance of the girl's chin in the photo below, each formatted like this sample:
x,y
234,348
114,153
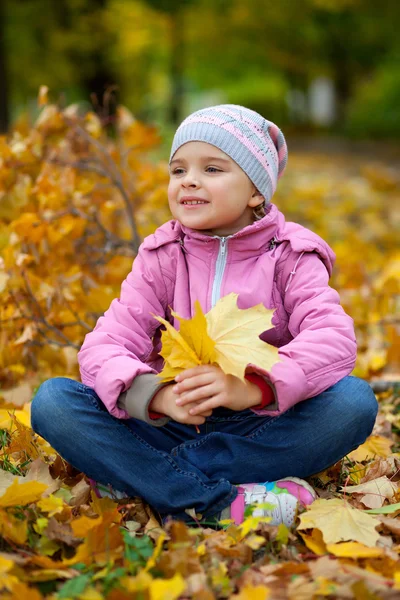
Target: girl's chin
x,y
195,221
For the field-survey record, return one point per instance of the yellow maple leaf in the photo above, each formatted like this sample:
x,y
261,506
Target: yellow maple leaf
x,y
157,551
375,445
51,505
22,493
195,332
176,351
252,592
102,542
13,529
314,542
7,420
236,334
167,589
83,524
251,523
7,580
354,550
226,335
338,521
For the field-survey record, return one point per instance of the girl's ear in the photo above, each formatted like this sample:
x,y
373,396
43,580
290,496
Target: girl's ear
x,y
256,198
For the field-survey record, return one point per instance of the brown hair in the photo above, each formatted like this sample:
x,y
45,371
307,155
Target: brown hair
x,y
259,211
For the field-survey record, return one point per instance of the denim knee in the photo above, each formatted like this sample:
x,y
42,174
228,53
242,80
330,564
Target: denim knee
x,y
50,403
362,400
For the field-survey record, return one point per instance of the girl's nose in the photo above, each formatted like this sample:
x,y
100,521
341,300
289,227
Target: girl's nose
x,y
190,180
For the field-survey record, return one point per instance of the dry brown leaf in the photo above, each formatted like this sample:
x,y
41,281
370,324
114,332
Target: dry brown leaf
x,y
373,493
40,471
392,524
380,467
61,532
80,493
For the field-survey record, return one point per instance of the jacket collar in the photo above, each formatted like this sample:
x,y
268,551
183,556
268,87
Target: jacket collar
x,y
253,239
260,231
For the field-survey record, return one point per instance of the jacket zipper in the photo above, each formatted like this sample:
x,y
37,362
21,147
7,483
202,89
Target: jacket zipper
x,y
219,268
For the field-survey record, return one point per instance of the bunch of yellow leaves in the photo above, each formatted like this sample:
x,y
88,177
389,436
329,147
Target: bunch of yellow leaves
x,y
226,336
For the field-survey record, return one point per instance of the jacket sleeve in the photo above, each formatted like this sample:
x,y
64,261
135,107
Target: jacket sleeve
x,y
323,349
115,352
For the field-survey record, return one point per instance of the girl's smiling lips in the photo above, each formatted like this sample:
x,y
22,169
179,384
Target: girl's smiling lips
x,y
192,202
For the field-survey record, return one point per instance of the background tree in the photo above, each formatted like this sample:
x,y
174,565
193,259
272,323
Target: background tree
x,y
4,110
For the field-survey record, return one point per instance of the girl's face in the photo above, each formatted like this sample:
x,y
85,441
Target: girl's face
x,y
202,171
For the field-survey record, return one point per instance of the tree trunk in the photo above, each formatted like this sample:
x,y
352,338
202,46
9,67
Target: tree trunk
x,y
177,67
4,109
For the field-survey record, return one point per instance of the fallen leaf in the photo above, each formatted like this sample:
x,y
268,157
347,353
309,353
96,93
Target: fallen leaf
x,y
39,471
61,532
339,522
392,524
82,525
22,493
250,592
167,589
315,542
375,445
80,493
384,510
13,529
374,492
354,550
380,467
51,505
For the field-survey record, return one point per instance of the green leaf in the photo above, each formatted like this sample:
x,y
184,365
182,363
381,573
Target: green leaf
x,y
384,510
74,587
283,534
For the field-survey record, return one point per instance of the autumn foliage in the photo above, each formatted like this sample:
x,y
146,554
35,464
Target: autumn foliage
x,y
74,204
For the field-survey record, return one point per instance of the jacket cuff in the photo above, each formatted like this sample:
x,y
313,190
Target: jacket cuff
x,y
136,400
270,396
265,387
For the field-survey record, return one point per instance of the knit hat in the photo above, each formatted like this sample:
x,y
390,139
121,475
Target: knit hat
x,y
255,144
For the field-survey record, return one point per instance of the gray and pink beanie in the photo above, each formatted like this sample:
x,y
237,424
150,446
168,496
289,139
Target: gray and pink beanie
x,y
255,144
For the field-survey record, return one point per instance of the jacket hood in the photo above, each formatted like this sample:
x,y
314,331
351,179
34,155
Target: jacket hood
x,y
271,227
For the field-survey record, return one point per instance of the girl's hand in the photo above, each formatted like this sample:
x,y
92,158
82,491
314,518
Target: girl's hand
x,y
210,387
165,402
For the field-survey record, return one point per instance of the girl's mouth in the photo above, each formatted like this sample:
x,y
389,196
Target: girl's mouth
x,y
193,203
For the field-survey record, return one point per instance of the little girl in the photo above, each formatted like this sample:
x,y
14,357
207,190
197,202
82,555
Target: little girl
x,y
254,440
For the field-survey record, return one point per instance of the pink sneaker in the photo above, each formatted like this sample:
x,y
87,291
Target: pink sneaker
x,y
285,495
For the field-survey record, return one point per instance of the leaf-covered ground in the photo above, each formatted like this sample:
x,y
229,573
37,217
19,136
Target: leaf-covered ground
x,y
59,541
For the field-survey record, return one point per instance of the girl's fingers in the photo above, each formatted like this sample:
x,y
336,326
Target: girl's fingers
x,y
199,370
196,395
193,382
205,406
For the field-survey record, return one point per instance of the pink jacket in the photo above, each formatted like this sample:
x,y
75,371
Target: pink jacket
x,y
281,264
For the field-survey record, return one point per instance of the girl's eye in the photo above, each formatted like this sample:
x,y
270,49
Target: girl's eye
x,y
176,171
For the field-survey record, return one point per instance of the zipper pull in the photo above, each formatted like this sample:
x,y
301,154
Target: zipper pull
x,y
272,243
223,246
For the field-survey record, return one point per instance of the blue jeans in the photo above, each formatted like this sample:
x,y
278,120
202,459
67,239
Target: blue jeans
x,y
173,467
